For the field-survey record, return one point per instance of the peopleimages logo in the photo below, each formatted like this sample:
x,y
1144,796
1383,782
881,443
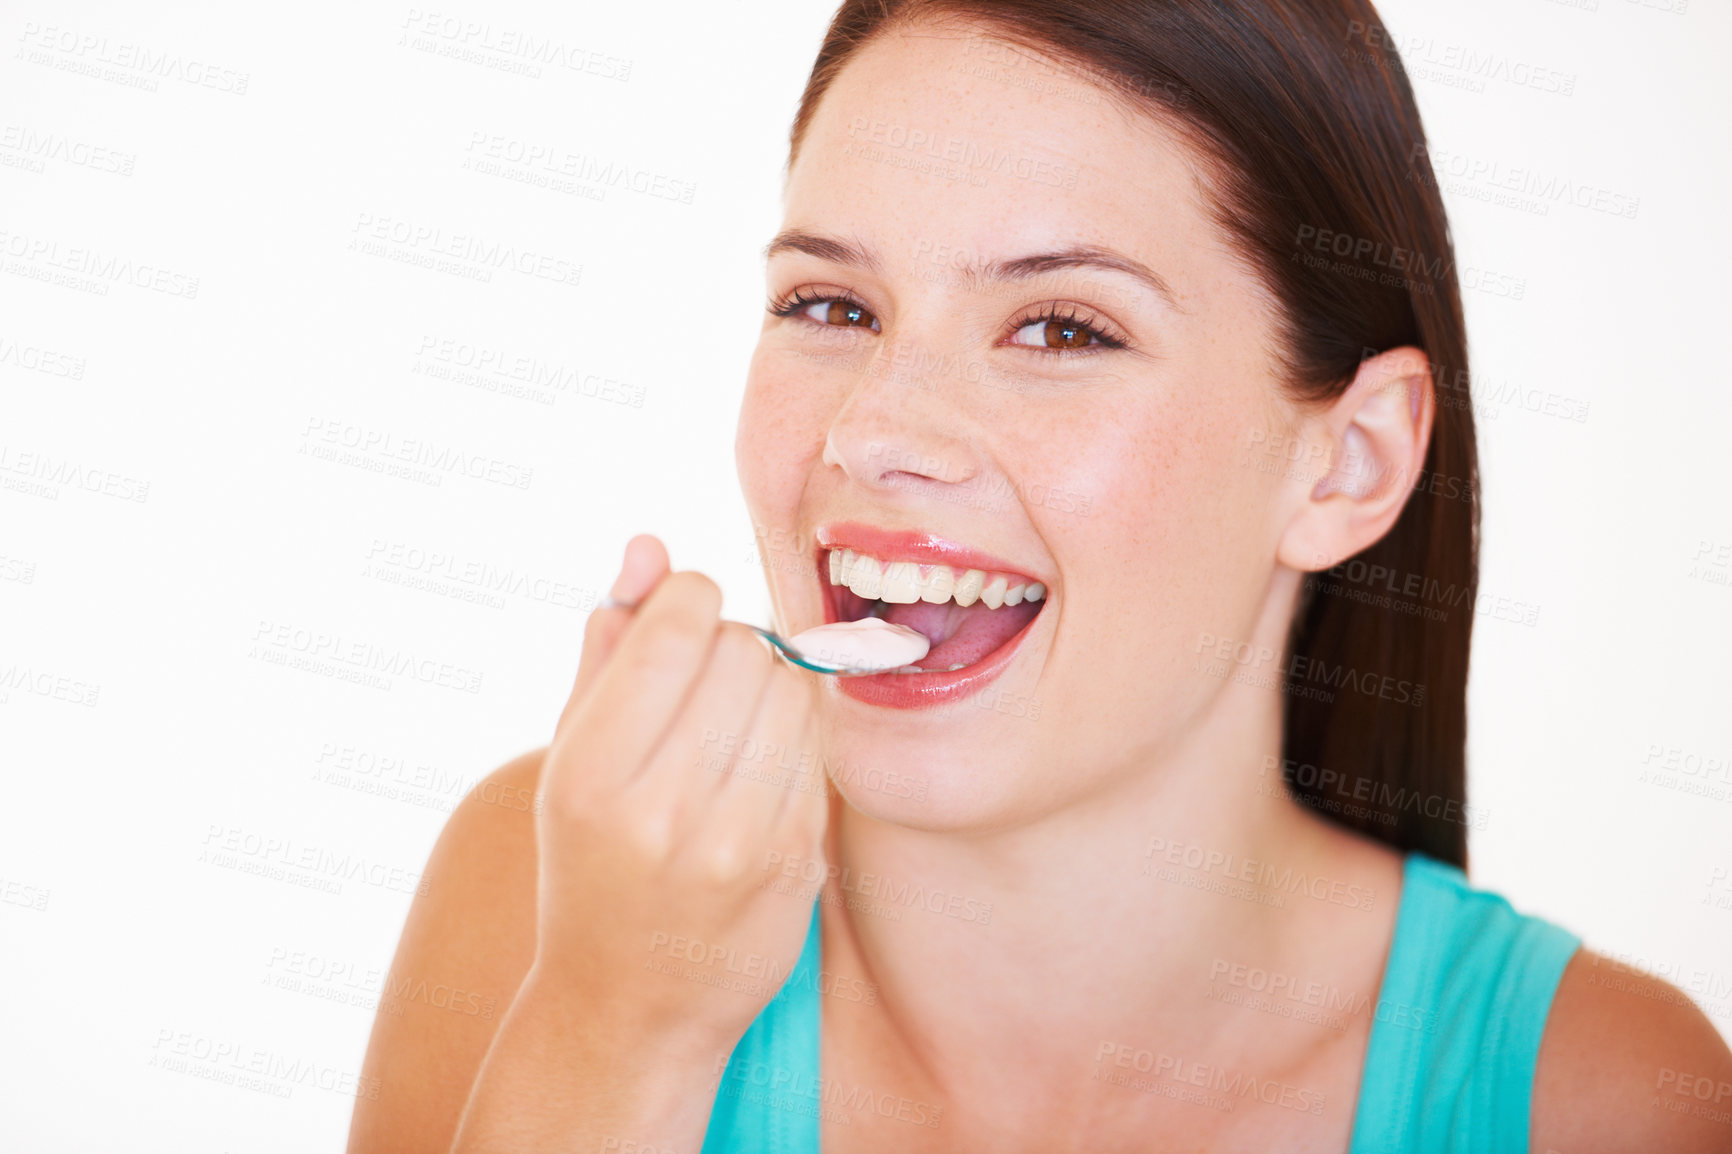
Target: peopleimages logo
x,y
44,683
424,244
1306,676
105,268
946,148
1366,250
36,148
492,154
1461,172
278,641
37,359
54,472
800,1091
1229,1085
1268,875
322,437
225,845
880,888
253,1067
92,55
1380,796
479,41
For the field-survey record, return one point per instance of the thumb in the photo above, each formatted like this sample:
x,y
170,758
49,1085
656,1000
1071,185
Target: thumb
x,y
645,564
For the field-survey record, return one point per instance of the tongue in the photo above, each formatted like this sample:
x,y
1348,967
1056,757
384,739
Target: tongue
x,y
961,636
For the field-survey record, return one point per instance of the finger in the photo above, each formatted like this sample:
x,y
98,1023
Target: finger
x,y
645,564
801,828
805,814
691,762
644,567
770,767
649,675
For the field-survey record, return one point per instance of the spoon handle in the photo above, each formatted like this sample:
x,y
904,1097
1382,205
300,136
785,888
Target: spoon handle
x,y
788,652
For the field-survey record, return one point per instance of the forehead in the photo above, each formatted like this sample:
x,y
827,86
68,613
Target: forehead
x,y
935,140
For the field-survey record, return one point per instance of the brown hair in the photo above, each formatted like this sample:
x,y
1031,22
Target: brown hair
x,y
1314,140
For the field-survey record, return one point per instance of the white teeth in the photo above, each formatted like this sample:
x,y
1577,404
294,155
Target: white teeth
x,y
901,585
862,575
939,585
968,587
905,582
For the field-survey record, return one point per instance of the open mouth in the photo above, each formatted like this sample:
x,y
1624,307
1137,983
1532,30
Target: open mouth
x,y
966,614
973,615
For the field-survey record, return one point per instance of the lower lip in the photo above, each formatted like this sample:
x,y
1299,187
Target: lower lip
x,y
923,690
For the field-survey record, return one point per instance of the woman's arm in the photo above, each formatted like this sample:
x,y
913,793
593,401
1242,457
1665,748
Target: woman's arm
x,y
1628,1064
461,985
473,931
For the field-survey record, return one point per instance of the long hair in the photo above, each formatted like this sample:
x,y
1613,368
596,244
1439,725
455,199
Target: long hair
x,y
1322,180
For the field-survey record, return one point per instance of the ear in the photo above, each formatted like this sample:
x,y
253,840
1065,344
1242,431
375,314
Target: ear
x,y
1374,438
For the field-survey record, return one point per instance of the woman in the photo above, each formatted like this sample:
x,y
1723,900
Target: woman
x,y
1135,321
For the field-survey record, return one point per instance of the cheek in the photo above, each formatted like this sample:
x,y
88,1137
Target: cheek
x,y
1149,493
780,434
1091,473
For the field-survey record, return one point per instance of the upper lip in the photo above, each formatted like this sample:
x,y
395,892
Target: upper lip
x,y
913,545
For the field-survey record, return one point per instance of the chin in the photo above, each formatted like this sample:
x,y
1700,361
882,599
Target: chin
x,y
946,775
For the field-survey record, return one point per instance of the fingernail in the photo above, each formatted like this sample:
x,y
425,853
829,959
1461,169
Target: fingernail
x,y
611,601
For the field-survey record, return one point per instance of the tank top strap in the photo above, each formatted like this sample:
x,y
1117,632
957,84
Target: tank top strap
x,y
1457,1027
768,1098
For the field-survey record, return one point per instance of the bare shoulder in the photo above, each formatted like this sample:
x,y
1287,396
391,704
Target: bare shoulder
x,y
1629,1063
466,945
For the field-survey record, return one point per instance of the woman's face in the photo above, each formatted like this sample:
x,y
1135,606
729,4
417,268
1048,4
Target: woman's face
x,y
971,351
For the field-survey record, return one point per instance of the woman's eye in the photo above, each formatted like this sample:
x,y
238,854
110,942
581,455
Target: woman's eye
x,y
843,313
1056,334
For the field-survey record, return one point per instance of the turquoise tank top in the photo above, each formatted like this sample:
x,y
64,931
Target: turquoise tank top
x,y
1449,1068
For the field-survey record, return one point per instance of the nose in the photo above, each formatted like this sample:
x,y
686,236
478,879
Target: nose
x,y
897,431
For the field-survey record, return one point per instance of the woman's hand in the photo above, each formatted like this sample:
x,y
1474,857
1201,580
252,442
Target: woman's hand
x,y
657,941
683,760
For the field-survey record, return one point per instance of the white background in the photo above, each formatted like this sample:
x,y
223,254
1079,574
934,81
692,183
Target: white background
x,y
167,729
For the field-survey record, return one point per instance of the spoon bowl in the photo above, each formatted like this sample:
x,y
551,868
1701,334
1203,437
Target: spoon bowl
x,y
786,649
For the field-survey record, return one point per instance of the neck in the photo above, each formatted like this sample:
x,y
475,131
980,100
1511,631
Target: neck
x,y
1103,923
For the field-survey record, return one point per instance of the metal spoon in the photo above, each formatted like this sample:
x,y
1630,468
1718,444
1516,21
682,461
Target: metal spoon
x,y
788,652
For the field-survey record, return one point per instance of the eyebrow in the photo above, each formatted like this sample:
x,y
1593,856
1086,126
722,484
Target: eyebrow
x,y
848,252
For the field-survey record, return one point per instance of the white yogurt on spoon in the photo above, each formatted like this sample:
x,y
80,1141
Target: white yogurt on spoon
x,y
869,645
